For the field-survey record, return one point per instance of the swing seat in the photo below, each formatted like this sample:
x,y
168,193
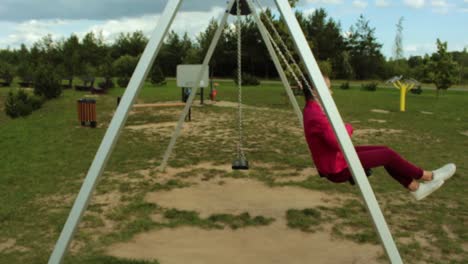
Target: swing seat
x,y
240,164
368,174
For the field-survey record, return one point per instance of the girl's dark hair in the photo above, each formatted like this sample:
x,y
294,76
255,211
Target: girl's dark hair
x,y
307,92
305,89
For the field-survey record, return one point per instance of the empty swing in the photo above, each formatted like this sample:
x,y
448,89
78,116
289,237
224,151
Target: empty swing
x,y
240,162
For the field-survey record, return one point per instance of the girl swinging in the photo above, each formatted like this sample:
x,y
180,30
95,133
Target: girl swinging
x,y
330,163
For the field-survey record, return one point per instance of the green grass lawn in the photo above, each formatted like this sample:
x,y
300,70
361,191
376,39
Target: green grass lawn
x,y
45,156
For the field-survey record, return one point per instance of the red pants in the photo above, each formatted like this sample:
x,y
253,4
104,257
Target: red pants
x,y
376,156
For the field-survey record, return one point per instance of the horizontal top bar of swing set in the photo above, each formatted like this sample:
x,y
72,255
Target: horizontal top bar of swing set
x,y
158,105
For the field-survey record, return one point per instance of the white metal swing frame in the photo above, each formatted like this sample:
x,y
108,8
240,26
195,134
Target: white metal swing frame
x,y
136,83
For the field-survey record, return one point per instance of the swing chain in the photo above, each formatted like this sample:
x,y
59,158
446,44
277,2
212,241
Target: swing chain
x,y
285,47
285,61
240,150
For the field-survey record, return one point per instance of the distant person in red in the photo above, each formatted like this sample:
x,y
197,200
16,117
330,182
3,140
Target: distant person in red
x,y
330,162
213,94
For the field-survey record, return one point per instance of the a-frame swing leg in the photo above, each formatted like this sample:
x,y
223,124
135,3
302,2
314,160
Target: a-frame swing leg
x,y
112,134
276,61
189,102
337,123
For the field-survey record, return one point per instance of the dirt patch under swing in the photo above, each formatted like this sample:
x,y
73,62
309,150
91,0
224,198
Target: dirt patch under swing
x,y
276,243
372,131
272,244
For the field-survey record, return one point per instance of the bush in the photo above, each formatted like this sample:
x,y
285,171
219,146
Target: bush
x,y
248,79
417,90
123,82
46,83
157,76
125,66
345,86
107,84
21,104
370,86
7,72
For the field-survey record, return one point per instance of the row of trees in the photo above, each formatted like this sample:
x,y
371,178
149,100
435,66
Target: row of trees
x,y
355,56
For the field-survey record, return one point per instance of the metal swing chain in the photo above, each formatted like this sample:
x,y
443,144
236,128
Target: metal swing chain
x,y
285,61
285,47
240,150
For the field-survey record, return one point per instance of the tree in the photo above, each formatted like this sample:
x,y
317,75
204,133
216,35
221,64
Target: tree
x,y
124,68
24,68
48,51
461,57
204,39
398,46
7,72
47,83
342,66
156,75
106,70
92,49
72,62
366,58
293,2
443,70
130,44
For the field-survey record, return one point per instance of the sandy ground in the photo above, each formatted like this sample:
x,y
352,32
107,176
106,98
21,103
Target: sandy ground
x,y
265,245
380,111
276,243
371,131
10,245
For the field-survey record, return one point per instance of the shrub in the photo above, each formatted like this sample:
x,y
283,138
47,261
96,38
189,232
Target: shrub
x,y
21,104
326,67
345,86
7,72
370,86
248,79
123,82
157,76
46,83
416,90
124,67
107,84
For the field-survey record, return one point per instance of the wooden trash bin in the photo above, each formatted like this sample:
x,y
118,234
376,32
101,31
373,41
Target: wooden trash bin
x,y
87,112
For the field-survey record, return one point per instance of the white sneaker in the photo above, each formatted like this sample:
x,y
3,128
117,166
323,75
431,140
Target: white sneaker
x,y
426,188
444,173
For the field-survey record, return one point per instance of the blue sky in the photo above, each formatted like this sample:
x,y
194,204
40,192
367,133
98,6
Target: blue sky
x,y
26,21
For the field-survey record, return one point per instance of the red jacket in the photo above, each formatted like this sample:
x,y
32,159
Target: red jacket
x,y
323,146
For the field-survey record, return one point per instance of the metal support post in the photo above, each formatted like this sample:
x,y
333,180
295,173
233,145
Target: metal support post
x,y
340,131
112,134
189,103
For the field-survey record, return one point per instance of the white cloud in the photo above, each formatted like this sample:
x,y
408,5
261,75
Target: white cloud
x,y
415,3
439,3
429,48
327,2
419,49
308,11
360,3
441,6
33,30
382,3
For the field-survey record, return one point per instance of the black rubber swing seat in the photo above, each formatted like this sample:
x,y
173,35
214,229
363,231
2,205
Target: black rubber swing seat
x,y
368,174
245,10
240,164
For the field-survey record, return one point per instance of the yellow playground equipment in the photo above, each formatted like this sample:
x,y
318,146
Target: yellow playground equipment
x,y
404,86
